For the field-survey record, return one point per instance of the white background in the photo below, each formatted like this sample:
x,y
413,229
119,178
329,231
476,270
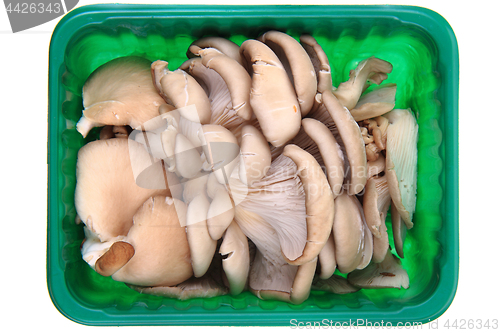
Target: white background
x,y
25,301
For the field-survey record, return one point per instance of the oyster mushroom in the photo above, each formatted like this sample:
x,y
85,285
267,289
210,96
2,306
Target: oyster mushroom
x,y
372,69
320,62
273,216
272,96
348,233
161,252
326,259
120,92
401,162
235,76
107,193
375,103
297,64
387,274
255,155
352,140
180,90
235,258
223,45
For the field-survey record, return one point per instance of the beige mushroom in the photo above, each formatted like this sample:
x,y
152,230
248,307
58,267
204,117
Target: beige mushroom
x,y
401,162
330,151
320,62
375,103
220,212
352,140
318,201
161,248
107,195
297,64
335,284
235,76
236,258
272,96
326,259
255,155
372,69
348,233
120,92
180,90
202,247
224,45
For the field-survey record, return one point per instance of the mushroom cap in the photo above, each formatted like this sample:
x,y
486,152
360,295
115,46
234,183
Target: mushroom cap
x,y
320,62
352,140
180,90
201,245
272,96
401,162
319,203
255,155
375,103
221,150
224,45
326,259
348,233
107,195
297,64
161,247
120,92
236,77
371,69
335,284
220,213
236,258
330,151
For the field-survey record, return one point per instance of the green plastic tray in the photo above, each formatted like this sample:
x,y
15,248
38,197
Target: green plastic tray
x,y
418,42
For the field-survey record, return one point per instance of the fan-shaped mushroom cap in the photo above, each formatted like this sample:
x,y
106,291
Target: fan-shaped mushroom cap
x,y
348,233
320,62
236,77
220,213
387,274
375,103
180,89
107,195
272,96
401,162
371,69
297,64
221,150
330,151
236,258
318,200
161,248
201,245
120,92
352,140
255,155
224,45
381,244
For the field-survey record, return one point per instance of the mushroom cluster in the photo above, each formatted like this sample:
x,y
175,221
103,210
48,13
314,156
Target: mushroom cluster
x,y
245,169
